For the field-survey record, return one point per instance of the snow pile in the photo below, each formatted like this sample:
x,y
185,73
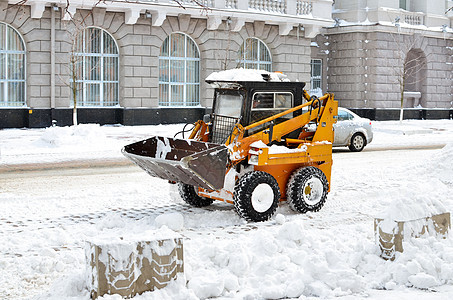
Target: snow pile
x,y
245,75
441,165
427,194
86,134
173,221
413,202
425,263
284,261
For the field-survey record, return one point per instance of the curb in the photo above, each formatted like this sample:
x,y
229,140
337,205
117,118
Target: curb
x,y
73,164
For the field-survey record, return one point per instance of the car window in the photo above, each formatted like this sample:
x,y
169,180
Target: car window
x,y
343,115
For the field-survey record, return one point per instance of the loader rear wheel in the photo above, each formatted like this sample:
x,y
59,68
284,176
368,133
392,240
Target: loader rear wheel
x,y
358,142
307,189
256,196
189,194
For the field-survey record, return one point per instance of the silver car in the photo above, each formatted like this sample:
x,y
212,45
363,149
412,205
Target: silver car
x,y
351,130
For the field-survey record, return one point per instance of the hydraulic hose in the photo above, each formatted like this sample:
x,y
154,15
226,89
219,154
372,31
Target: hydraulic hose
x,y
184,130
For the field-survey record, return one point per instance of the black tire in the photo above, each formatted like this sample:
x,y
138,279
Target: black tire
x,y
307,189
189,194
358,142
255,204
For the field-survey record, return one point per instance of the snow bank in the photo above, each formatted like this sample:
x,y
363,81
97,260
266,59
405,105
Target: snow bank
x,y
86,134
173,221
441,165
424,195
413,202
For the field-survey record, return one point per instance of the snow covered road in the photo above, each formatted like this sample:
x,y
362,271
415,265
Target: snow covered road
x,y
46,216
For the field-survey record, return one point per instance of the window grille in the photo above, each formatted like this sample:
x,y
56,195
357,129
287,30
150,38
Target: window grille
x,y
12,67
96,63
254,54
179,71
316,76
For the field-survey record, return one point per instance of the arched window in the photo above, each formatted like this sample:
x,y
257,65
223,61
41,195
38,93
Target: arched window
x,y
254,54
95,68
179,71
12,67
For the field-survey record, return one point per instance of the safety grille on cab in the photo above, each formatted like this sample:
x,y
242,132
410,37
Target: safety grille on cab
x,y
222,127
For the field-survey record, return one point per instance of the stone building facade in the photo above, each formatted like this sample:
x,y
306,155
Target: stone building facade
x,y
122,78
372,48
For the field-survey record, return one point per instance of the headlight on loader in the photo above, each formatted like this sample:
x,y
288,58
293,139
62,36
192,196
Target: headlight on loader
x,y
253,160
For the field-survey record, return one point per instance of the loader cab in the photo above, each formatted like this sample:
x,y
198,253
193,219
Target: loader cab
x,y
248,102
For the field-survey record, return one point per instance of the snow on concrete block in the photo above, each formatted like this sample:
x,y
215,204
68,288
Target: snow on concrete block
x,y
391,234
128,267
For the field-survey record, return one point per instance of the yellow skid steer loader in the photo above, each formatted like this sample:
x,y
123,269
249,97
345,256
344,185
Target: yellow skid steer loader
x,y
254,150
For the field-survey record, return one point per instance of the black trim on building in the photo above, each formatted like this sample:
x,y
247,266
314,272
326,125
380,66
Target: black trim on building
x,y
40,118
380,114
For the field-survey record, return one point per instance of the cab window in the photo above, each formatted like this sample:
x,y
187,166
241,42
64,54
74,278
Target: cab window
x,y
272,101
266,104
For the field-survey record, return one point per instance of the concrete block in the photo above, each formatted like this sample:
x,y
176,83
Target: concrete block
x,y
45,91
132,82
174,23
192,25
131,102
391,234
159,33
142,92
128,71
142,50
127,50
39,80
39,57
38,35
152,40
130,60
142,29
184,22
128,92
129,267
131,39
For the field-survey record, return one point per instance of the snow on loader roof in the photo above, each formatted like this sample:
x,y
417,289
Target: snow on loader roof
x,y
235,75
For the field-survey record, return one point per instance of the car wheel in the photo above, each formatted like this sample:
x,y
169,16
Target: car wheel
x,y
256,196
358,142
307,189
190,196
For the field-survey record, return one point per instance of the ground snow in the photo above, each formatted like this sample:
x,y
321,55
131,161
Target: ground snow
x,y
331,253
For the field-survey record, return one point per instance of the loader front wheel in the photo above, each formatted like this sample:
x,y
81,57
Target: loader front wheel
x,y
189,194
256,196
307,189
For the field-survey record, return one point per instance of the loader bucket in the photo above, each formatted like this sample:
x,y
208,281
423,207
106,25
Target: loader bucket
x,y
191,162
